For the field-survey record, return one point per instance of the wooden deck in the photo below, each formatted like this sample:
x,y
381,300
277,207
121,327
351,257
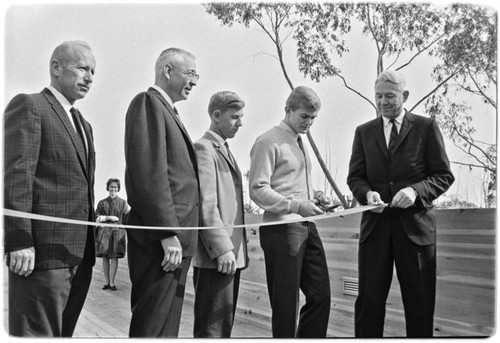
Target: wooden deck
x,y
465,286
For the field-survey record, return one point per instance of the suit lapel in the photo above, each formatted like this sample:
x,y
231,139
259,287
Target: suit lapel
x,y
380,136
179,124
405,128
61,113
90,146
222,150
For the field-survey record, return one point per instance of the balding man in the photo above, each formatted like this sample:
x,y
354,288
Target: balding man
x,y
162,186
399,160
49,164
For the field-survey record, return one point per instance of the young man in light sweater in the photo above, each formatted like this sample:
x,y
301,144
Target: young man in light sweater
x,y
280,183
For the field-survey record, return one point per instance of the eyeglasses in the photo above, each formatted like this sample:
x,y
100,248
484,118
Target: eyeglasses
x,y
191,73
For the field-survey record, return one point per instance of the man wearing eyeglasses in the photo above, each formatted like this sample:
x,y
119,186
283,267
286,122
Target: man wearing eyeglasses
x,y
162,185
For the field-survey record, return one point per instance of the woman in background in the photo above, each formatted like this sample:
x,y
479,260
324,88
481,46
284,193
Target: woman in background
x,y
110,241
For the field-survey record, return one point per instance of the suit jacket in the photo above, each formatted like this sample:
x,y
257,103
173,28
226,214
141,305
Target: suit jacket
x,y
46,173
221,204
161,176
419,161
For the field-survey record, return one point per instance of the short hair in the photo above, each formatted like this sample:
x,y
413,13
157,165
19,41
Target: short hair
x,y
223,101
392,76
64,52
168,56
304,97
113,180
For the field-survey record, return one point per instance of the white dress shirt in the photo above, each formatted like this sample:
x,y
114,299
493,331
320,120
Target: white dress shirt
x,y
388,126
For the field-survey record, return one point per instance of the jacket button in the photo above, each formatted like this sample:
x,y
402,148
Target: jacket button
x,y
391,183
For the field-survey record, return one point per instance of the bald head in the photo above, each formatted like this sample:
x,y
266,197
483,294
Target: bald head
x,y
173,56
175,73
65,51
72,68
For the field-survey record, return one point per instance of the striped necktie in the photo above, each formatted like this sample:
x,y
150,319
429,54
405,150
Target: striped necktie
x,y
393,137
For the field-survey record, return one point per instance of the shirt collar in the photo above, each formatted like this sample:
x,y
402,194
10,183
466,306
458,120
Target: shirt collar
x,y
398,119
217,137
164,94
284,126
61,98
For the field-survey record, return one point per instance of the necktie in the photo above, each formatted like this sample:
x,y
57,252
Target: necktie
x,y
179,117
301,146
78,126
231,157
393,137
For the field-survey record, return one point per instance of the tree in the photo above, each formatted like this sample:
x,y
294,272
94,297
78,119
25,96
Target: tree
x,y
272,18
461,37
469,55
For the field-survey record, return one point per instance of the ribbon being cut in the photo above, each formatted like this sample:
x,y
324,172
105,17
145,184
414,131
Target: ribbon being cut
x,y
339,213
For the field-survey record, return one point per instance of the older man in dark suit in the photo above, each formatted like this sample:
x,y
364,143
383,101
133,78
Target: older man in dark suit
x,y
397,159
162,186
49,170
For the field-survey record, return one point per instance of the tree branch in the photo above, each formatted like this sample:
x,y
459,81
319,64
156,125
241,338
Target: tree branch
x,y
421,51
435,88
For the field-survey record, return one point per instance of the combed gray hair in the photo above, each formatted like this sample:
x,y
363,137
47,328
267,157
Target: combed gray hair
x,y
392,76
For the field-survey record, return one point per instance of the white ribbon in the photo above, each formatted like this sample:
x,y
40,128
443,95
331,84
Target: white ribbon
x,y
327,215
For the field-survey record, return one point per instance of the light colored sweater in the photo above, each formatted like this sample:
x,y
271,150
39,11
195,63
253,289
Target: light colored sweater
x,y
278,180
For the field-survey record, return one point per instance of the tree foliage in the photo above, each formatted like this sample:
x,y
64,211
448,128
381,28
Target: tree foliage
x,y
461,38
468,55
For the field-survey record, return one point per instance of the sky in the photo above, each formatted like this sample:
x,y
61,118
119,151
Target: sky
x,y
126,39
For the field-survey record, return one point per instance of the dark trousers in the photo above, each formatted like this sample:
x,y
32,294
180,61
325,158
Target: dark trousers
x,y
416,271
295,259
48,302
157,296
216,295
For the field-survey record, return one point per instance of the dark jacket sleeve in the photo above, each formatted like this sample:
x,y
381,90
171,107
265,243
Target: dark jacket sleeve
x,y
357,178
439,176
22,134
147,176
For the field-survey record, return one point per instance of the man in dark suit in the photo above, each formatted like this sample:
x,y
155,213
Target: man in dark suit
x,y
398,161
162,186
221,253
49,170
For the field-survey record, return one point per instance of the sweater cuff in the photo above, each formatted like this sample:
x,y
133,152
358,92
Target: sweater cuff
x,y
294,206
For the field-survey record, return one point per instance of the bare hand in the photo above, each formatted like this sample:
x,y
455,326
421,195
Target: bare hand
x,y
226,263
173,253
22,262
308,208
112,218
404,198
322,198
373,198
